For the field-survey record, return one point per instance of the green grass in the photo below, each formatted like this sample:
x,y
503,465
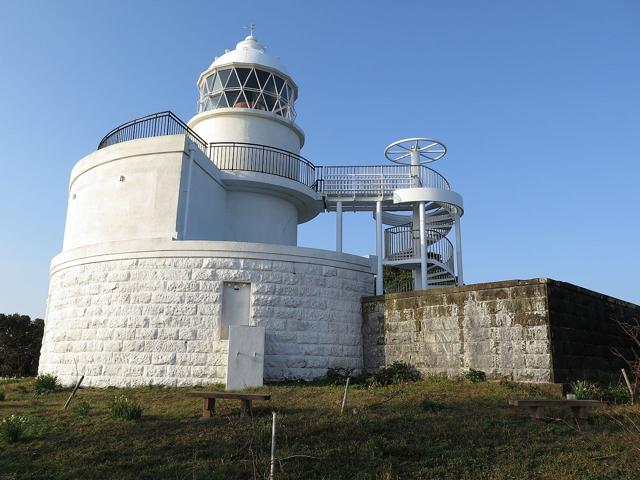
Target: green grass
x,y
433,428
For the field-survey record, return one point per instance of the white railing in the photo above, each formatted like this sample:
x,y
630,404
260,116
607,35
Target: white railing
x,y
375,180
403,243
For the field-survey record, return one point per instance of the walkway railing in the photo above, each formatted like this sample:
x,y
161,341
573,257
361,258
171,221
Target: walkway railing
x,y
154,125
340,181
262,159
375,180
403,243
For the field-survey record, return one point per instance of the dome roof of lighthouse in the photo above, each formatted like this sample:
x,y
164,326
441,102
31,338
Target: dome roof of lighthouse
x,y
250,50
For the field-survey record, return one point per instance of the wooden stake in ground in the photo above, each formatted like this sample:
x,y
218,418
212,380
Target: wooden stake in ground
x,y
273,447
344,397
75,389
626,379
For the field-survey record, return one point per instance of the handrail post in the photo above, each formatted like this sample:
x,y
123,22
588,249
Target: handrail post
x,y
423,248
339,226
379,276
456,218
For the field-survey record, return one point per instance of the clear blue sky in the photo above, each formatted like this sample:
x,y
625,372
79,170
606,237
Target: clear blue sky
x,y
538,103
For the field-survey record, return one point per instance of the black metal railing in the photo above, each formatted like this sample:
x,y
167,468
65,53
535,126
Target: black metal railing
x,y
252,157
154,125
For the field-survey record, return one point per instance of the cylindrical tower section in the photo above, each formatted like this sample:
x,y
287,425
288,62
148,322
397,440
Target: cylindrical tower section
x,y
246,113
247,96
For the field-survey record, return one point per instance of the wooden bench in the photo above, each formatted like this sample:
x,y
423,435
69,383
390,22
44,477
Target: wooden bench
x,y
536,407
209,401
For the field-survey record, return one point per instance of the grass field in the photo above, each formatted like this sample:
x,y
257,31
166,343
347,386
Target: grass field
x,y
434,428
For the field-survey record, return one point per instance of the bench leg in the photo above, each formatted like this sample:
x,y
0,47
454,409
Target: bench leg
x,y
579,412
208,407
245,408
537,413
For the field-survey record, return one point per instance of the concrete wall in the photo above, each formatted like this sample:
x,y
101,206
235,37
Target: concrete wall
x,y
500,328
256,217
140,312
248,126
126,191
203,200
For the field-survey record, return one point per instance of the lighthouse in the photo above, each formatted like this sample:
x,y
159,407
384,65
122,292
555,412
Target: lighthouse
x,y
180,263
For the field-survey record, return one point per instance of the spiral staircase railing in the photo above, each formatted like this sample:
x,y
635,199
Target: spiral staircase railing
x,y
403,243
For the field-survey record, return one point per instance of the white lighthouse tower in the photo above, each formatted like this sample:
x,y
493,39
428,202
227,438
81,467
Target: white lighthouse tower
x,y
180,263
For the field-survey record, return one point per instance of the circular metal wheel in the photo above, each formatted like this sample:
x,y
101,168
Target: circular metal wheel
x,y
425,149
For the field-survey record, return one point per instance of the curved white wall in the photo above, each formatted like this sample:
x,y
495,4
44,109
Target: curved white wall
x,y
248,126
260,218
141,312
125,191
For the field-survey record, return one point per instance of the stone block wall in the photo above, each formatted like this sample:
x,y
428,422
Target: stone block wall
x,y
585,331
538,330
501,328
137,321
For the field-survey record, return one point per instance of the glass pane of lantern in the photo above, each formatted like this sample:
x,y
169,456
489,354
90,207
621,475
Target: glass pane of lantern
x,y
285,92
232,98
217,84
233,81
269,101
270,86
259,103
243,73
252,81
262,77
223,101
215,99
279,83
209,82
224,75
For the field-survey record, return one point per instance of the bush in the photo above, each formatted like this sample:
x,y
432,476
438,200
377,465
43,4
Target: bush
x,y
475,376
2,397
126,409
82,408
397,372
46,383
431,406
337,376
616,393
585,390
12,428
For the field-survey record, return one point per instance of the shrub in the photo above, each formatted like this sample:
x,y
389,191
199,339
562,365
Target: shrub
x,y
475,376
46,383
615,393
397,372
431,406
12,428
82,408
337,376
2,397
585,390
126,409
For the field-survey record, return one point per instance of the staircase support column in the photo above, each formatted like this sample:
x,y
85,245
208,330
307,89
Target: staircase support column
x,y
456,218
423,249
379,276
339,226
